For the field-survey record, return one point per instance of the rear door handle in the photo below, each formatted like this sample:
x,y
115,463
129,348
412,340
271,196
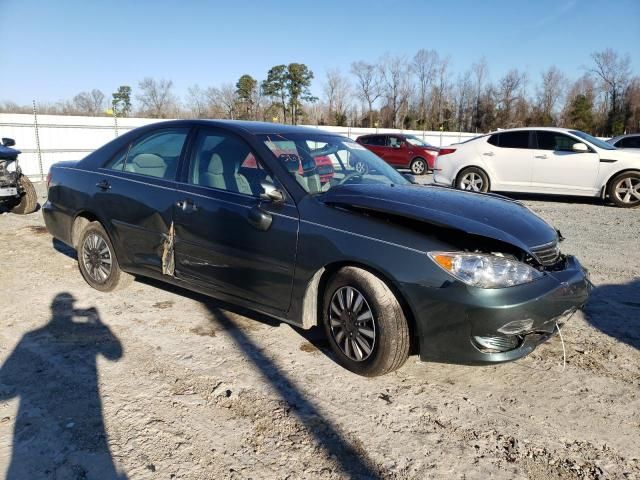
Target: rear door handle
x,y
488,154
541,156
103,185
186,205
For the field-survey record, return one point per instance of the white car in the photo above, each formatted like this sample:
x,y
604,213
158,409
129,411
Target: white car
x,y
557,161
630,142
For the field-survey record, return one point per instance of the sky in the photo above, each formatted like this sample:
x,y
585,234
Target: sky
x,y
53,50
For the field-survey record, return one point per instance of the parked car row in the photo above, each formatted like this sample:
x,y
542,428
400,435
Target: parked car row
x,y
544,161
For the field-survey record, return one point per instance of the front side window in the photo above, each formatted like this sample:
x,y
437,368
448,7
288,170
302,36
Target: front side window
x,y
307,156
224,162
629,142
155,154
394,142
548,140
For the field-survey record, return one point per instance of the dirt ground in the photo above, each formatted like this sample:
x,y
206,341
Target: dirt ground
x,y
153,382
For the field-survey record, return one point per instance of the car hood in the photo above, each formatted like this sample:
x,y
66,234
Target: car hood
x,y
481,214
622,154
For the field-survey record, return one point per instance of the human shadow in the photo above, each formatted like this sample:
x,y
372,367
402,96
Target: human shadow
x,y
615,310
352,461
59,430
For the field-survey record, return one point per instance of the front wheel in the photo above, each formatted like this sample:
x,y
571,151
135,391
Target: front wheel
x,y
624,190
418,166
364,323
28,197
473,179
97,260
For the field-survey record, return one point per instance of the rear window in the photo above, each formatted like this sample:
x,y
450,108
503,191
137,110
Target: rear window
x,y
378,140
519,139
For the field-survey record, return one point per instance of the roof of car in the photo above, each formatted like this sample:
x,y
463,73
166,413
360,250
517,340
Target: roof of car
x,y
257,128
551,129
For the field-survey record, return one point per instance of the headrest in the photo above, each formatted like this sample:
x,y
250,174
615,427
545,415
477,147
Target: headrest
x,y
148,160
215,165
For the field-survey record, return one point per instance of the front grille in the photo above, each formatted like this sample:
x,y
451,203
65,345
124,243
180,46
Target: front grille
x,y
547,254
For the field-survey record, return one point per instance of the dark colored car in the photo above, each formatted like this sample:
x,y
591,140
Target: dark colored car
x,y
402,151
17,193
386,267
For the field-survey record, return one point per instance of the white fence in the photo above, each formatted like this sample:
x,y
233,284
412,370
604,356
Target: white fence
x,y
60,137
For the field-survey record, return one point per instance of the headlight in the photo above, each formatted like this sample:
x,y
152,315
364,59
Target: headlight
x,y
485,270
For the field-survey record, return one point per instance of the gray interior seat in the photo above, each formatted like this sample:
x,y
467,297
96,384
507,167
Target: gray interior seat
x,y
214,175
147,164
219,175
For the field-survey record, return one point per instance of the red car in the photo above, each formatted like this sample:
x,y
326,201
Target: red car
x,y
402,151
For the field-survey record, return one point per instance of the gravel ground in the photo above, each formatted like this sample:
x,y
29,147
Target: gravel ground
x,y
153,382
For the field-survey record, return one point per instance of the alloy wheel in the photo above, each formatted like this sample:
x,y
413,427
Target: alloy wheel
x,y
96,258
472,181
418,167
627,190
352,325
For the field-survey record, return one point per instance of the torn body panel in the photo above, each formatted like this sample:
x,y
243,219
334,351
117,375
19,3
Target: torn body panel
x,y
168,258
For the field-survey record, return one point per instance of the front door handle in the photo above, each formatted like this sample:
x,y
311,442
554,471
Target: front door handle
x,y
541,156
488,154
186,205
103,185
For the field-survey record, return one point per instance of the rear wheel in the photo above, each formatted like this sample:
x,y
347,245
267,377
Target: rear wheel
x,y
97,260
474,179
418,166
364,323
28,198
624,190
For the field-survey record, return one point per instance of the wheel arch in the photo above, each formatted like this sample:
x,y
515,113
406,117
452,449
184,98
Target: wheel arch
x,y
605,187
475,165
314,292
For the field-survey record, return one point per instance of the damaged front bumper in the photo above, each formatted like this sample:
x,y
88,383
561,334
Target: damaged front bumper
x,y
461,324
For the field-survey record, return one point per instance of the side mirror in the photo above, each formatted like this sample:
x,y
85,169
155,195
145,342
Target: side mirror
x,y
8,142
271,193
411,178
579,147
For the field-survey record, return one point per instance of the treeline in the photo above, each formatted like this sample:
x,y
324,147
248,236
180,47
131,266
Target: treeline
x,y
420,92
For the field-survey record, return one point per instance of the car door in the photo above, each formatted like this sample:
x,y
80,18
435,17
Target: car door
x,y
134,196
397,151
226,238
377,144
559,169
509,157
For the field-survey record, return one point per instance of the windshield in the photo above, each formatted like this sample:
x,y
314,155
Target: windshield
x,y
595,141
417,141
320,162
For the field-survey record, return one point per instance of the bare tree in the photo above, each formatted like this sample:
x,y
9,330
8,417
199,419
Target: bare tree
x,y
550,91
395,74
368,87
89,103
613,71
424,66
197,102
509,90
440,91
224,99
337,90
480,71
157,98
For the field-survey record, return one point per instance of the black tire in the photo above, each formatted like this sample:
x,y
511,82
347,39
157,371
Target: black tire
x,y
473,176
389,345
621,190
28,198
92,261
419,166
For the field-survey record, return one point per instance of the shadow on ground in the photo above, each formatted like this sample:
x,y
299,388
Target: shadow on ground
x,y
615,311
59,431
353,462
